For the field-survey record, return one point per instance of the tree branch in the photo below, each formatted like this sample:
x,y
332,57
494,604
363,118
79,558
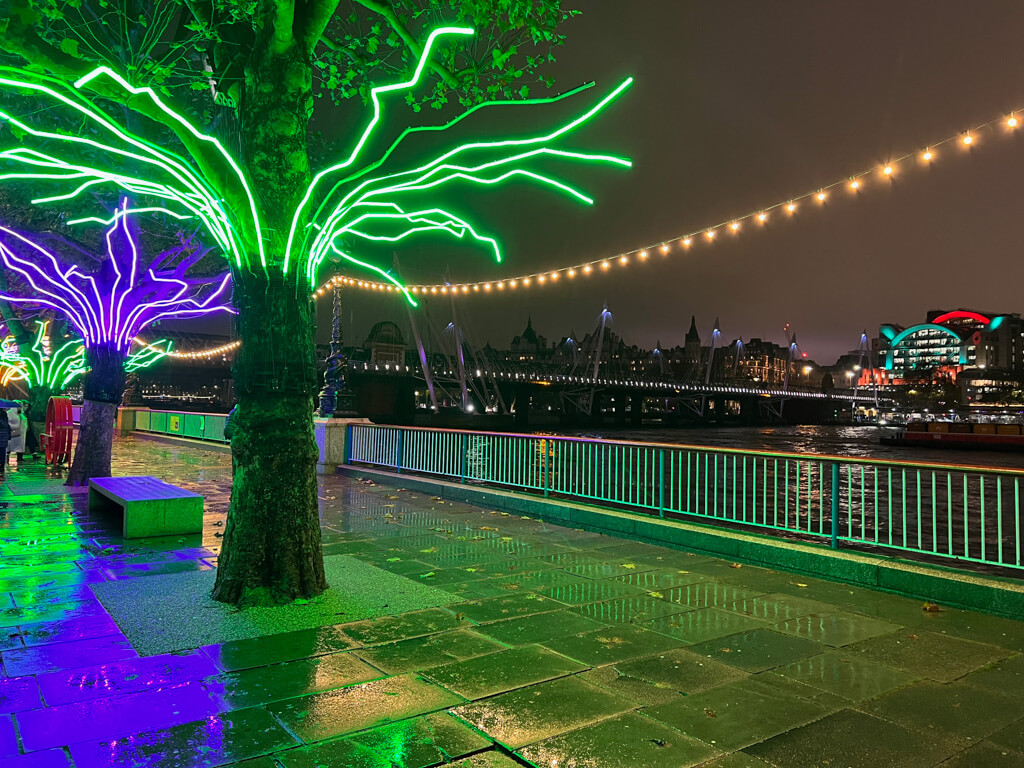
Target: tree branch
x,y
318,15
284,19
396,24
21,40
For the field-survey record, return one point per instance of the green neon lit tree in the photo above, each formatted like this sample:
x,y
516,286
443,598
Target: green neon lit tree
x,y
262,205
53,364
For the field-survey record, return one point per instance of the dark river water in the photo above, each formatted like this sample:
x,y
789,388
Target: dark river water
x,y
860,442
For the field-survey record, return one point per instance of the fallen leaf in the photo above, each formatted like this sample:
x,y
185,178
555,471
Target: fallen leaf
x,y
656,594
426,575
631,566
931,607
735,565
710,713
394,559
798,584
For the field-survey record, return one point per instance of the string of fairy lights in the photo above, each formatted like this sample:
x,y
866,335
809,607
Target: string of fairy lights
x,y
788,207
705,236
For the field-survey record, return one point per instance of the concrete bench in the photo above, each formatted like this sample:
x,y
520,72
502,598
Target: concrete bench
x,y
151,506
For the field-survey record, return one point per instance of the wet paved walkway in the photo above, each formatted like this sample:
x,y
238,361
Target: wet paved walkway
x,y
570,650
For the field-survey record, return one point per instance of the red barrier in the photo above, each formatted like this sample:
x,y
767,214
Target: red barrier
x,y
56,440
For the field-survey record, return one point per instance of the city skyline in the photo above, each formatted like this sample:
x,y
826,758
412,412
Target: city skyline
x,y
719,126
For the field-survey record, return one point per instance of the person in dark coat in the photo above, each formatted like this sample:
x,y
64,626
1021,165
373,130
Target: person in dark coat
x,y
5,438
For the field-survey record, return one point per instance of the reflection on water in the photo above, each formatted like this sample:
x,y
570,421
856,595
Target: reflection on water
x,y
859,442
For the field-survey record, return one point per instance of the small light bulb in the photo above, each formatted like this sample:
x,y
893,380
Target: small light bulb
x,y
571,273
710,234
476,287
735,226
968,140
433,290
664,247
526,281
605,265
554,275
927,156
501,286
444,289
623,260
887,170
541,278
821,197
687,242
587,269
511,283
465,289
642,255
1011,121
487,286
762,217
791,207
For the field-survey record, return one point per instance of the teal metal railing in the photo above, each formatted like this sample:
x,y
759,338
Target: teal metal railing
x,y
199,426
946,511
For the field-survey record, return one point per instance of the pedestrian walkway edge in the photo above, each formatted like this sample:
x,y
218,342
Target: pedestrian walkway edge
x,y
933,583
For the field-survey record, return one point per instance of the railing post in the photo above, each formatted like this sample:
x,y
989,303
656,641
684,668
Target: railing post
x,y
661,482
835,505
547,470
348,444
398,460
464,442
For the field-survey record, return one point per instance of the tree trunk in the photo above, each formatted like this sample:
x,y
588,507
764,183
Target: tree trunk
x,y
271,552
103,387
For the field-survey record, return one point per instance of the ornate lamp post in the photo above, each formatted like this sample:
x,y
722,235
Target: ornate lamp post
x,y
335,398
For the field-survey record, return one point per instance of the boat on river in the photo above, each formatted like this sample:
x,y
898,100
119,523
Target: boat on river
x,y
956,434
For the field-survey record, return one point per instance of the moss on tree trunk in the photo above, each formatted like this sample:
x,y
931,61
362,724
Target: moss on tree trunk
x,y
271,549
103,387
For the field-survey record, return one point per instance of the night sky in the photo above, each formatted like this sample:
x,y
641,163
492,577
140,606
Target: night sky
x,y
736,106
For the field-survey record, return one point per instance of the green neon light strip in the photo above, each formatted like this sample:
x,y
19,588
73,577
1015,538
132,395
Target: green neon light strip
x,y
374,97
459,172
218,223
149,355
341,209
201,136
390,278
452,224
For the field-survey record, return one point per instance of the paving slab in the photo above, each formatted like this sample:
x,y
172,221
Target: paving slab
x,y
952,709
734,716
504,671
855,740
703,624
612,644
542,711
275,682
216,740
845,675
420,653
341,711
628,741
928,654
757,650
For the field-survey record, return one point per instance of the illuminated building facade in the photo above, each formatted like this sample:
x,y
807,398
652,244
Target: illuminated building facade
x,y
950,341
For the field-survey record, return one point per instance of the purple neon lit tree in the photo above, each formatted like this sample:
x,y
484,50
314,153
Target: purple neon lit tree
x,y
110,306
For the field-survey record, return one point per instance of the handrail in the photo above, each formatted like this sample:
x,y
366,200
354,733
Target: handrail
x,y
961,513
719,449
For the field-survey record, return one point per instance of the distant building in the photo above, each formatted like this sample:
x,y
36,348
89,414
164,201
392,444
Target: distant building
x,y
949,342
528,346
385,343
